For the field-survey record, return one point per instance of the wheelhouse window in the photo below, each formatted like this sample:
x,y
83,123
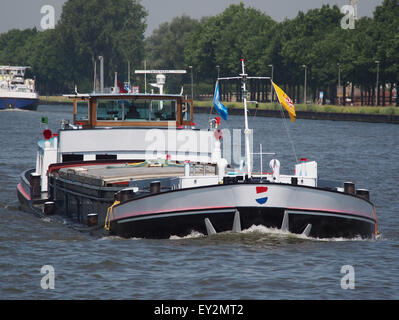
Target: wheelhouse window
x,y
136,110
82,110
186,112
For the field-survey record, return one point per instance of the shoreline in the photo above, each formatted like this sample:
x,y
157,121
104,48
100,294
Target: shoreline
x,y
359,117
54,100
388,114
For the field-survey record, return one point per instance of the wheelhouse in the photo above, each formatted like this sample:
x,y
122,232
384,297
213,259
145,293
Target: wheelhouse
x,y
131,110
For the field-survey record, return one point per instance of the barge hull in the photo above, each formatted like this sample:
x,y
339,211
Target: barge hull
x,y
179,212
165,225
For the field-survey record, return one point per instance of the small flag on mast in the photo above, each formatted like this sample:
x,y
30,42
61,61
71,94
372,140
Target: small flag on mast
x,y
285,101
122,89
118,87
220,108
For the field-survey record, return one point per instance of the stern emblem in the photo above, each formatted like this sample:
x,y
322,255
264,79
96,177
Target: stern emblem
x,y
260,190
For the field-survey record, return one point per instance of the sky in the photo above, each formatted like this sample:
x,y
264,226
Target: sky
x,y
21,14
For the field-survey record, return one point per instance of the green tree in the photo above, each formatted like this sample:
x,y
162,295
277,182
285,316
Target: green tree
x,y
12,44
224,39
52,66
114,30
311,39
165,49
386,39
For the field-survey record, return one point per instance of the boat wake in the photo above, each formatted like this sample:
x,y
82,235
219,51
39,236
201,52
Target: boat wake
x,y
260,229
15,110
110,238
192,235
10,206
261,233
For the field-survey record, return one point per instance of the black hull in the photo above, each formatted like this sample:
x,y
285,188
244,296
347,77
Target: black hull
x,y
31,107
324,225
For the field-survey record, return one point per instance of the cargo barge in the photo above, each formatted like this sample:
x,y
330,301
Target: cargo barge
x,y
134,165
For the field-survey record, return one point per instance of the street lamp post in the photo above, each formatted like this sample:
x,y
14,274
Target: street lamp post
x,y
218,67
192,90
128,73
271,87
304,90
377,85
145,76
101,58
339,80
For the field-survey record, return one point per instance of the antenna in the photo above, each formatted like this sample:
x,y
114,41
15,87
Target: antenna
x,y
160,76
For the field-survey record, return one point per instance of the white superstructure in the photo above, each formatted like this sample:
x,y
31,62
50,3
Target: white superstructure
x,y
13,84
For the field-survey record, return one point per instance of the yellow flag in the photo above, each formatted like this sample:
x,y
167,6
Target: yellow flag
x,y
285,101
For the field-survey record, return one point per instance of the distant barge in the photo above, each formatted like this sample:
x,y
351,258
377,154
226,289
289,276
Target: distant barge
x,y
16,92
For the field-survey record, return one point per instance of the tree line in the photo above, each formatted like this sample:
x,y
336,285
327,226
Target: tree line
x,y
65,56
341,63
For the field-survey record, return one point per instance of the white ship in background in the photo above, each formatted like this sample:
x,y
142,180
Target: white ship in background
x,y
16,92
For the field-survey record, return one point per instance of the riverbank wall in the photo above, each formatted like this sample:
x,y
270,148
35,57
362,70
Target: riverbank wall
x,y
54,100
316,112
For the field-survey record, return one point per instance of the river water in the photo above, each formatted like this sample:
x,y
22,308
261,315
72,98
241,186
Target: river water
x,y
258,263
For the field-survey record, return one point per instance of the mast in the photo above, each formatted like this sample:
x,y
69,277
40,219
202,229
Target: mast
x,y
247,131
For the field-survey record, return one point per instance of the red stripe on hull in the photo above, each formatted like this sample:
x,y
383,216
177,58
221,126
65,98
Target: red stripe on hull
x,y
352,213
23,192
